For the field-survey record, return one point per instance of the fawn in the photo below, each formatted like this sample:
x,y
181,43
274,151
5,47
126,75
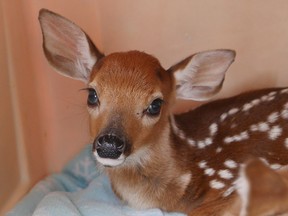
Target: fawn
x,y
190,162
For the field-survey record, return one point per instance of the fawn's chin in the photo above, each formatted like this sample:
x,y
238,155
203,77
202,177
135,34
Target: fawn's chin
x,y
109,162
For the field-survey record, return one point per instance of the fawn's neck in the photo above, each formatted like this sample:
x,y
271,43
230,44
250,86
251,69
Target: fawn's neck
x,y
155,174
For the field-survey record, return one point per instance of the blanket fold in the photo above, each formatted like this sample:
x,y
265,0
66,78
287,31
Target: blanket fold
x,y
79,190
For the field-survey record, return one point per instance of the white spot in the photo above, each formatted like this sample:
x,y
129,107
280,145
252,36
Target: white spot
x,y
209,171
284,114
286,143
283,91
229,140
230,164
264,98
273,93
213,129
286,105
191,142
244,135
233,111
185,179
225,174
247,106
275,166
223,116
218,150
229,191
263,127
275,132
208,141
264,160
236,138
273,117
201,144
256,102
215,184
202,164
270,98
254,128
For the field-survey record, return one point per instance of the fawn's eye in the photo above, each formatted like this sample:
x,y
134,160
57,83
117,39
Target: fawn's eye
x,y
155,107
92,99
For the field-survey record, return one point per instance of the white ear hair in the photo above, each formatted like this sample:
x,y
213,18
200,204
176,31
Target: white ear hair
x,y
201,75
66,46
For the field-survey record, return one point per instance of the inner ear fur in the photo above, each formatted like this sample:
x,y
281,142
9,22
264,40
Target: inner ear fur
x,y
67,47
200,76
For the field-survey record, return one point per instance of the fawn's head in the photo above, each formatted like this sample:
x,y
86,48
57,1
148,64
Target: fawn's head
x,y
129,94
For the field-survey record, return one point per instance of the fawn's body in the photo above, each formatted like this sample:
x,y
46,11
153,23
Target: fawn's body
x,y
190,162
201,162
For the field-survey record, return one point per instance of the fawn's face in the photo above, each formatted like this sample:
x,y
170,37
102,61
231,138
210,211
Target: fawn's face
x,y
129,97
129,94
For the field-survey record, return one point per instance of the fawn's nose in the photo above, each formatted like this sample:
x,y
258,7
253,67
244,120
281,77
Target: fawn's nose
x,y
109,146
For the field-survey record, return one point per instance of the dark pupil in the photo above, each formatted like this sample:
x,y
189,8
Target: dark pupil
x,y
155,107
92,98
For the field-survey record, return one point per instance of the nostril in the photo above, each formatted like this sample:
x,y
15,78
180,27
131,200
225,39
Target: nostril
x,y
120,146
100,142
110,141
109,146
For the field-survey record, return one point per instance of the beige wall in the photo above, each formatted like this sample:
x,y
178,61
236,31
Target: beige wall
x,y
8,154
43,115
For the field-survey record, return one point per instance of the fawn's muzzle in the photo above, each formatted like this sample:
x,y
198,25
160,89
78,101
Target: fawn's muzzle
x,y
109,146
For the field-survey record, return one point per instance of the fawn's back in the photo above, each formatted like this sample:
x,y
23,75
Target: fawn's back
x,y
225,134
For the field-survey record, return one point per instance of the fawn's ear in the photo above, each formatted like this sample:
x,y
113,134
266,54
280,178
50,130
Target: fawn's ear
x,y
201,75
67,47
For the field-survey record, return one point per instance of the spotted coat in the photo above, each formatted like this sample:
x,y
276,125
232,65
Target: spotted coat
x,y
222,135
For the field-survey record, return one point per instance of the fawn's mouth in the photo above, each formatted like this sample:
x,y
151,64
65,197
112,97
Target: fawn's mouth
x,y
109,162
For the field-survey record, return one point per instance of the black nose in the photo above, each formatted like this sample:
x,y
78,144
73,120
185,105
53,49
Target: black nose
x,y
109,146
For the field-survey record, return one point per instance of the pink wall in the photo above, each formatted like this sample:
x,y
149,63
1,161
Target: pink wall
x,y
48,112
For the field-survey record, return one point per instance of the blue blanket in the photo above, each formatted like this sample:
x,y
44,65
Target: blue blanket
x,y
78,190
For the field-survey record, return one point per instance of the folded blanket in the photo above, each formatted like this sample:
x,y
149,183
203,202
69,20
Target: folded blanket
x,y
79,190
